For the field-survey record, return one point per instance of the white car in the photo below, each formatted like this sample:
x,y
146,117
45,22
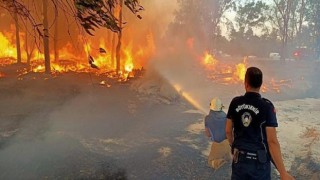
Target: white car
x,y
275,56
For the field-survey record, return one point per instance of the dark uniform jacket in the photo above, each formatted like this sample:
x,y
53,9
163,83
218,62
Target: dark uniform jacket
x,y
251,114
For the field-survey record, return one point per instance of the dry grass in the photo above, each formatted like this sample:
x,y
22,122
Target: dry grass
x,y
311,133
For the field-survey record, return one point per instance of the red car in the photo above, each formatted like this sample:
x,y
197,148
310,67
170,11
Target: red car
x,y
303,53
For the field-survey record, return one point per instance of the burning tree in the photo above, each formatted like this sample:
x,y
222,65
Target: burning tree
x,y
46,36
56,32
19,9
16,9
90,14
100,13
17,36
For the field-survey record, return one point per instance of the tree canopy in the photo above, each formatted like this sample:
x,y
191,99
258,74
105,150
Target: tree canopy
x,y
93,14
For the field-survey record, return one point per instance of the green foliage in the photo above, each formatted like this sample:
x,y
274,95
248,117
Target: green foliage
x,y
199,20
313,18
95,14
252,14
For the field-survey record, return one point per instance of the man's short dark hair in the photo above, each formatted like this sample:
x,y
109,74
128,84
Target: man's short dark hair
x,y
254,77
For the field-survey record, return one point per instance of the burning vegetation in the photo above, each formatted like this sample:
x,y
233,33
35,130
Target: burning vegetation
x,y
117,49
70,79
234,73
97,57
119,58
224,73
96,60
104,44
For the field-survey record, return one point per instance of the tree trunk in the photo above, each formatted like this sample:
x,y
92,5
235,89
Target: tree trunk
x,y
55,39
317,28
214,39
46,37
29,49
302,15
113,49
113,45
17,38
284,40
109,39
26,46
119,39
286,20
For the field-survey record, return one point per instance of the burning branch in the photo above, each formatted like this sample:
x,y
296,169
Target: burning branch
x,y
91,62
96,14
15,6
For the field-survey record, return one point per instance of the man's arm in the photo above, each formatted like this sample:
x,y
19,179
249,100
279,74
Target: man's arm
x,y
207,133
229,130
275,151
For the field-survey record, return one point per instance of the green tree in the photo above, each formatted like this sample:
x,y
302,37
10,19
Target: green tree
x,y
251,15
93,14
313,18
199,20
212,12
250,27
283,10
187,20
298,17
288,17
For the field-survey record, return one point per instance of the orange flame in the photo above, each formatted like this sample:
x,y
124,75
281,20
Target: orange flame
x,y
241,69
209,59
224,73
233,74
132,57
6,47
128,64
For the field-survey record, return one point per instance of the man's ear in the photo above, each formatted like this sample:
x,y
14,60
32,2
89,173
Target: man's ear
x,y
246,85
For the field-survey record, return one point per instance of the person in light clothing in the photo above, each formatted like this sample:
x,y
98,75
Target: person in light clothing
x,y
215,123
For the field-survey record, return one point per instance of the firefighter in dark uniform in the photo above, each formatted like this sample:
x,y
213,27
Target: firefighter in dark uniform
x,y
250,129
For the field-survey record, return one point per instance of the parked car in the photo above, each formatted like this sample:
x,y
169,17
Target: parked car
x,y
303,53
274,56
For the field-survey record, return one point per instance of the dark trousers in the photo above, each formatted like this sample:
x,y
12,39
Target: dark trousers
x,y
247,169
